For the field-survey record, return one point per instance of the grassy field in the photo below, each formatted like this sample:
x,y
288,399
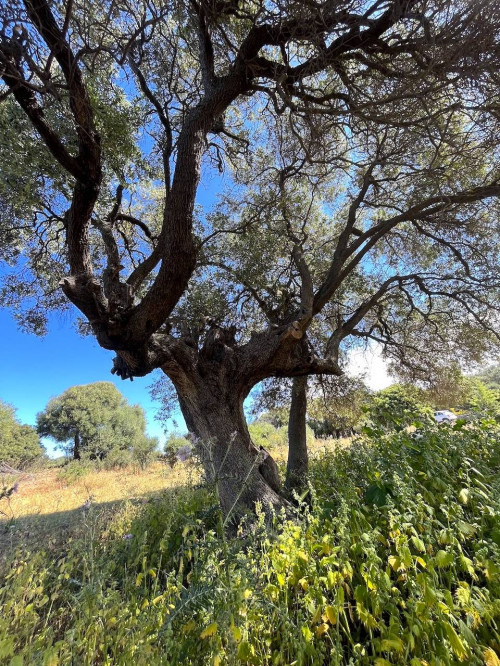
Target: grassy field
x,y
51,505
395,562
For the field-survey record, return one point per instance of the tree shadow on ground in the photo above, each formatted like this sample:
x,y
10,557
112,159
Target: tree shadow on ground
x,y
50,531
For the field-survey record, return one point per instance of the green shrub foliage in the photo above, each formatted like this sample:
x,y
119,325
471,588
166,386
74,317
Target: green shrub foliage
x,y
397,407
265,434
175,442
396,562
19,444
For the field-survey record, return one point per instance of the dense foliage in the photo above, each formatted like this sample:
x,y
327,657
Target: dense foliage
x,y
491,377
397,562
19,444
93,420
481,399
397,407
335,407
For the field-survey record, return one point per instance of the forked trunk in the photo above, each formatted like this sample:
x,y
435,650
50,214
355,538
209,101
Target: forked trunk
x,y
297,466
243,475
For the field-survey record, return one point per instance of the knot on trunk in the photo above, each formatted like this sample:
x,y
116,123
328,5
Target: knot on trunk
x,y
218,341
122,369
269,470
294,331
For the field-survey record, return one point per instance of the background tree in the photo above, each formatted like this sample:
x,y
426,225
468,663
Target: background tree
x,y
19,444
337,408
93,419
490,377
446,386
359,201
397,407
144,451
480,400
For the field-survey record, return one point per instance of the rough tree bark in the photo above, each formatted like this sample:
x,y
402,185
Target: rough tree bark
x,y
213,411
298,459
130,315
212,383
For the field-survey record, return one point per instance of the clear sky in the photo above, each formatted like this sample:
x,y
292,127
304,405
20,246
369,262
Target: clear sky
x,y
34,369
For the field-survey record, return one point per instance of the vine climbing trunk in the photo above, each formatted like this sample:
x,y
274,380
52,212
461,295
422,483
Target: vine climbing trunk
x,y
298,459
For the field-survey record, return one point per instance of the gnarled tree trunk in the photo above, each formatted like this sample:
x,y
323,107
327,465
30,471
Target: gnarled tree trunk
x,y
212,407
212,381
298,460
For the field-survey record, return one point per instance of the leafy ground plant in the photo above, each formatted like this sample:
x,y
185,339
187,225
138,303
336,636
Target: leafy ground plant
x,y
396,562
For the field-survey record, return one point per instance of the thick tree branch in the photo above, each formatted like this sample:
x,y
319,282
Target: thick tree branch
x,y
26,99
89,154
432,206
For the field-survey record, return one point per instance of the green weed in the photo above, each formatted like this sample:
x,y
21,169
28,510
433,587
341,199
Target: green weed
x,y
397,562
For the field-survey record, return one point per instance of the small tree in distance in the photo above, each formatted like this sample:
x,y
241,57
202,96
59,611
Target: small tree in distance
x,y
19,444
93,419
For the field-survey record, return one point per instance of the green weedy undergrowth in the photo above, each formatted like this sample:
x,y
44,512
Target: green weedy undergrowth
x,y
397,561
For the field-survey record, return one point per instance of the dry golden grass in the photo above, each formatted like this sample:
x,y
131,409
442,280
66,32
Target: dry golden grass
x,y
47,492
47,508
50,507
316,449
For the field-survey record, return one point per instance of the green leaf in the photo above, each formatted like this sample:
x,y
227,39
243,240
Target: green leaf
x,y
376,494
418,543
463,496
443,559
245,651
17,660
393,643
210,630
455,641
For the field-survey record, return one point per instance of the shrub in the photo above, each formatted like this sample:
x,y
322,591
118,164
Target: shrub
x,y
117,459
397,407
176,442
396,562
144,451
75,470
265,434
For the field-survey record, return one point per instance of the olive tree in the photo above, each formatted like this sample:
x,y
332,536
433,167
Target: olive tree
x,y
353,147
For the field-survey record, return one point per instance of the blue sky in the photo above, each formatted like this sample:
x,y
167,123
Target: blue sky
x,y
34,369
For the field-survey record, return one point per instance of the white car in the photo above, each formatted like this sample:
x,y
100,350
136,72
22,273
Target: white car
x,y
444,416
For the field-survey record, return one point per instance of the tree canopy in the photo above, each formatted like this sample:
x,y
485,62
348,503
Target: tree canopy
x,y
94,419
19,444
354,150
